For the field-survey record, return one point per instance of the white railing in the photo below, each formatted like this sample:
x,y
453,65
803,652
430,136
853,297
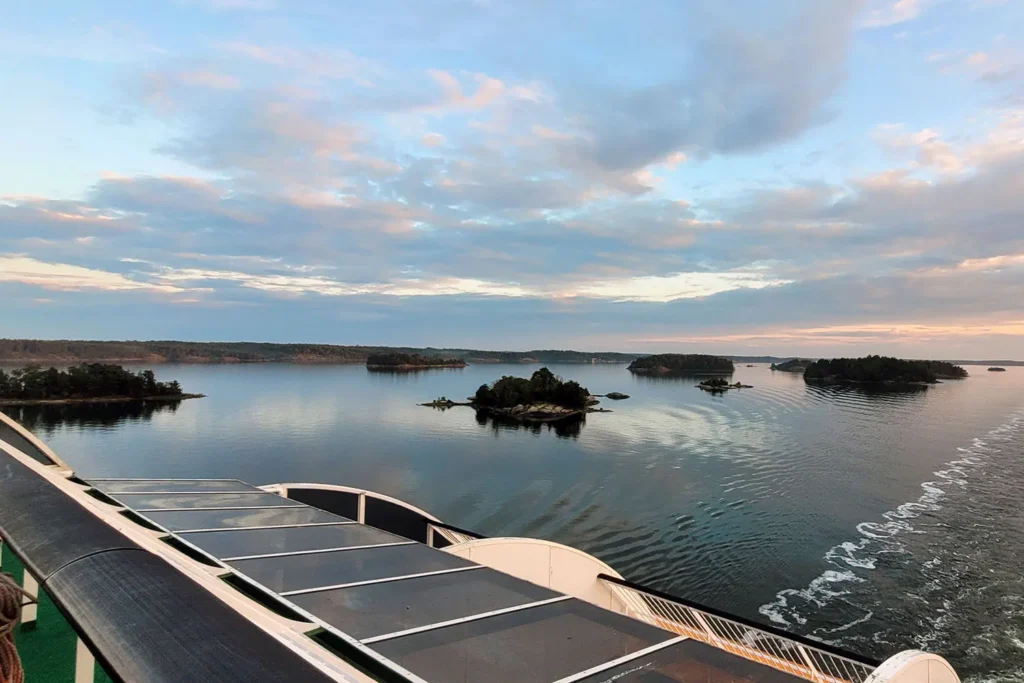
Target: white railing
x,y
793,655
451,534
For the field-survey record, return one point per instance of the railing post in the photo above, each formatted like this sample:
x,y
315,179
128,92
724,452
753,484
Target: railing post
x,y
430,534
699,618
29,610
361,511
85,663
810,662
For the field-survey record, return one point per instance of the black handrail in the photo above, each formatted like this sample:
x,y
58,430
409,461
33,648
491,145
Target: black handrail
x,y
802,640
143,619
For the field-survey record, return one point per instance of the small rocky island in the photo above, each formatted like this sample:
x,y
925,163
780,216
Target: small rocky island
x,y
792,365
997,369
717,385
681,364
544,397
85,383
410,361
881,370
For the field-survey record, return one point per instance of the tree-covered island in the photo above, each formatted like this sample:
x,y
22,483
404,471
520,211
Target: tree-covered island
x,y
544,397
88,382
681,364
881,370
410,361
792,365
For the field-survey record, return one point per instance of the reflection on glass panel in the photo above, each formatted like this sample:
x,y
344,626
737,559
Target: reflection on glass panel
x,y
298,572
227,519
146,485
242,543
365,611
535,645
147,501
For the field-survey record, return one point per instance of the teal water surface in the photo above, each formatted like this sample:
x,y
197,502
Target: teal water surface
x,y
879,521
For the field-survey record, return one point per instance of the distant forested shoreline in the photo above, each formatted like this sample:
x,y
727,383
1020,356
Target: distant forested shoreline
x,y
72,351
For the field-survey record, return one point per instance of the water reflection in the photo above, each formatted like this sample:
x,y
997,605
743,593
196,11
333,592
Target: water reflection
x,y
46,419
839,390
679,377
568,428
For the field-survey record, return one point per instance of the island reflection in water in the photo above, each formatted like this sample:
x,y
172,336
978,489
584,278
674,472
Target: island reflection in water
x,y
46,419
566,428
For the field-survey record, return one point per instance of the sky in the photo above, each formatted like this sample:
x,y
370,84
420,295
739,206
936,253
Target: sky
x,y
788,178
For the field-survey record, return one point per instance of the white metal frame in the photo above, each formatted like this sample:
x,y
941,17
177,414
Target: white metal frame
x,y
315,551
248,528
226,507
386,579
625,659
282,489
464,620
781,654
58,462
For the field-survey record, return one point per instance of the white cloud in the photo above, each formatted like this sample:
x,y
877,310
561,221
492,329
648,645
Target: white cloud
x,y
432,140
22,269
882,13
678,286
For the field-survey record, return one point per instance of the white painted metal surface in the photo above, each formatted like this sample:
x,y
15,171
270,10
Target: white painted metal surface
x,y
29,610
552,565
914,666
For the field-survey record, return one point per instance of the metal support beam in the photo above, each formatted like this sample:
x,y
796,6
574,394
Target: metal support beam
x,y
29,610
85,663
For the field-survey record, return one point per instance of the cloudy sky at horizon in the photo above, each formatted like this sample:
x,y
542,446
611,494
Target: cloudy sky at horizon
x,y
796,177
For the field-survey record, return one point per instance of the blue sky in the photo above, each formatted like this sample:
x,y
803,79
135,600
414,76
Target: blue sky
x,y
815,178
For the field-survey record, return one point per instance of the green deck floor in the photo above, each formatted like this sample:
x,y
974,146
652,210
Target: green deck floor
x,y
47,651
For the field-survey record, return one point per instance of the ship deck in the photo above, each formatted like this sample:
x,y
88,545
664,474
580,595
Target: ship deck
x,y
416,613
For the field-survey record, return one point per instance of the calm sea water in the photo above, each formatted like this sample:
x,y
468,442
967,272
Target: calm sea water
x,y
879,521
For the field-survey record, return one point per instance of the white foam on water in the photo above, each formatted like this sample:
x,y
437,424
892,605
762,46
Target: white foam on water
x,y
790,605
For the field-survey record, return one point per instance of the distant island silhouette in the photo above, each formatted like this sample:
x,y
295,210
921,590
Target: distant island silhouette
x,y
678,363
882,370
410,361
85,383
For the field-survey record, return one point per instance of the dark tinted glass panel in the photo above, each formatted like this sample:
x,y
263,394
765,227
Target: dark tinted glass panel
x,y
148,501
339,502
149,485
690,661
225,544
296,572
536,645
232,519
14,438
396,519
364,611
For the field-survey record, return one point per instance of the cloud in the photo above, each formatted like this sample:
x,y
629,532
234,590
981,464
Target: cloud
x,y
931,150
209,79
432,140
744,91
882,13
17,268
314,65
